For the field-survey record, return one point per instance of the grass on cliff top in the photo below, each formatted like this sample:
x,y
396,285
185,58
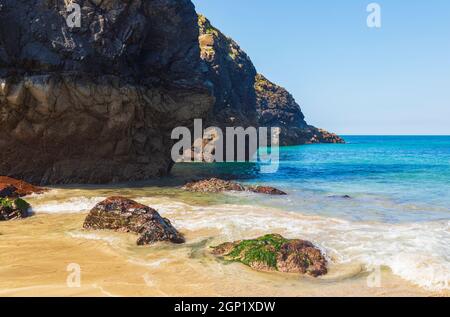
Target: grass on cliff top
x,y
205,25
14,203
260,250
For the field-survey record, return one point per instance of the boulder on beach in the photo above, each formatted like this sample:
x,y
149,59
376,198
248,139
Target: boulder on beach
x,y
275,253
13,209
125,215
13,188
215,185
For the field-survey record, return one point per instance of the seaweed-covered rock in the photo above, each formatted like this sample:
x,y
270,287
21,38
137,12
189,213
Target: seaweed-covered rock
x,y
12,209
275,253
125,215
215,185
10,187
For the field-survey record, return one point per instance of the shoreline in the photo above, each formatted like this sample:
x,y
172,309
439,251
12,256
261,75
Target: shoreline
x,y
111,265
114,265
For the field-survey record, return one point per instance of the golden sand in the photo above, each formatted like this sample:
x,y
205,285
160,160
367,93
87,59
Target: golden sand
x,y
35,254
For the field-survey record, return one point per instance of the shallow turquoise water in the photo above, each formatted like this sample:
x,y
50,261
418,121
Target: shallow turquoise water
x,y
389,178
397,214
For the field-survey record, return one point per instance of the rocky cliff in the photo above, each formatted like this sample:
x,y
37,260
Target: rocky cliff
x,y
97,103
276,107
233,75
245,98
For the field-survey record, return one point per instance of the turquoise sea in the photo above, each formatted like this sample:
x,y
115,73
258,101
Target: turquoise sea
x,y
380,202
390,179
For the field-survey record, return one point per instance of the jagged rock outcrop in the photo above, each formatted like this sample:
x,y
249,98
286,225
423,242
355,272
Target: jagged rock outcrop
x,y
233,75
216,185
245,98
13,209
125,215
275,253
97,104
276,107
13,188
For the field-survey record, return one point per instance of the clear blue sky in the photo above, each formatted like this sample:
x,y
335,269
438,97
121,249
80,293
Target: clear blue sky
x,y
349,78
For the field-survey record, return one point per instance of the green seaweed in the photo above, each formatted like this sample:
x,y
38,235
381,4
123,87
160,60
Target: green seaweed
x,y
22,205
261,250
6,203
12,204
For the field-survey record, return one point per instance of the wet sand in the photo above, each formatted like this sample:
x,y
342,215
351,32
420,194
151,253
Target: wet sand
x,y
35,254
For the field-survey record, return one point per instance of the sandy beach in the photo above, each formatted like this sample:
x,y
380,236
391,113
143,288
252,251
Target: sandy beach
x,y
36,252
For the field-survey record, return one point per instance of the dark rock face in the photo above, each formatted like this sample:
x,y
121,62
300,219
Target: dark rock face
x,y
276,107
215,185
245,98
233,75
275,253
125,215
96,104
13,209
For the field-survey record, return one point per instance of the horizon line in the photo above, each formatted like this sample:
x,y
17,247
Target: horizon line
x,y
358,134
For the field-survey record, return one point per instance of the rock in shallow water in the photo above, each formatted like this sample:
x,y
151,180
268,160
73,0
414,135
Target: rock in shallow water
x,y
125,215
266,190
215,185
275,253
13,209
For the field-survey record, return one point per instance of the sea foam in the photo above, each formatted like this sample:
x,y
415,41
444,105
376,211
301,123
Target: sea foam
x,y
418,252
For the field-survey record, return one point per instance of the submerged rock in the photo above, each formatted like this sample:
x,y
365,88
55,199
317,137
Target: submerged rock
x,y
215,185
13,209
266,190
125,215
341,196
10,187
275,253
